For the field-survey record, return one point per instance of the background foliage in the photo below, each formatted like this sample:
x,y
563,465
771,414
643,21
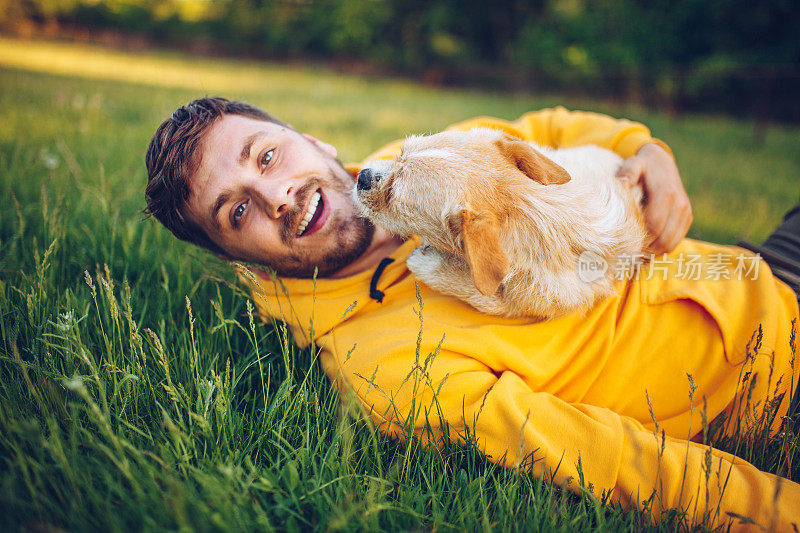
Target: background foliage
x,y
735,56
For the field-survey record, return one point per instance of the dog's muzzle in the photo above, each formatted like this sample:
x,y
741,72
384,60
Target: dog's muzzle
x,y
365,180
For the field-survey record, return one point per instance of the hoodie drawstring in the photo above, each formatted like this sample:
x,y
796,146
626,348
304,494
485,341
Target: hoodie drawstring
x,y
374,293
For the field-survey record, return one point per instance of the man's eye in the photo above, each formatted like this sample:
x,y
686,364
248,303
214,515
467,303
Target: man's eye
x,y
266,158
238,213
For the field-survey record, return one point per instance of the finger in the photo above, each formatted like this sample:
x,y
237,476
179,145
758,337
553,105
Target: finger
x,y
631,170
677,226
657,212
686,219
668,239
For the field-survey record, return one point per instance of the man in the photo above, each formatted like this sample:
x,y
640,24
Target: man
x,y
584,395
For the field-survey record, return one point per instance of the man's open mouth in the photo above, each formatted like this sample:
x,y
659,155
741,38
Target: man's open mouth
x,y
309,223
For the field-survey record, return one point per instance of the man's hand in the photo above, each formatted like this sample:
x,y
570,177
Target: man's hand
x,y
667,213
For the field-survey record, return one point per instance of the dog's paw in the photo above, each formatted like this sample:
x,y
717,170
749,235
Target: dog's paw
x,y
424,261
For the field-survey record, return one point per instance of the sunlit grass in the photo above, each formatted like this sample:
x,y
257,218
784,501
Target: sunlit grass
x,y
122,406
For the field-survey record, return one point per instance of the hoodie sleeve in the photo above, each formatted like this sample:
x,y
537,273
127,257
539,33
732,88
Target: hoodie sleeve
x,y
560,128
579,445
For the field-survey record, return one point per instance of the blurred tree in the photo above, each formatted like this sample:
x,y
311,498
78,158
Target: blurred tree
x,y
357,26
710,54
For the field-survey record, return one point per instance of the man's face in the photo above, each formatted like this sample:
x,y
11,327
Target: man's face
x,y
268,194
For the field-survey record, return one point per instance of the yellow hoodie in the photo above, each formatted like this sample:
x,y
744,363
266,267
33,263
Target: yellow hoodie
x,y
575,388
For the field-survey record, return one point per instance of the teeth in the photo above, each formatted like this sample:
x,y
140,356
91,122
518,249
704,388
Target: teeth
x,y
312,208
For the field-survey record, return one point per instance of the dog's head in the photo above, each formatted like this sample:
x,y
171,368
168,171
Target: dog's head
x,y
455,190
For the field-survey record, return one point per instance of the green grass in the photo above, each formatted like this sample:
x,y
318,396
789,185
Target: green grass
x,y
136,389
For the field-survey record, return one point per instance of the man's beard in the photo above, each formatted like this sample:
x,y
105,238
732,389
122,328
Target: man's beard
x,y
352,236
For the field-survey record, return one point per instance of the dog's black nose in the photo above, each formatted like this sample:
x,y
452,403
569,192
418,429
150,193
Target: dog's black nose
x,y
364,180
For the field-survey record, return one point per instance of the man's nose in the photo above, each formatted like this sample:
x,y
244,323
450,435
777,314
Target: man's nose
x,y
278,198
364,180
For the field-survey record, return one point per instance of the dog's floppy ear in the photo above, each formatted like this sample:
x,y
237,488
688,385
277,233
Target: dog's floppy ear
x,y
531,163
487,260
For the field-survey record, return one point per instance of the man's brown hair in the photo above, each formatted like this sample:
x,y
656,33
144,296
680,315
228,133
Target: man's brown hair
x,y
174,155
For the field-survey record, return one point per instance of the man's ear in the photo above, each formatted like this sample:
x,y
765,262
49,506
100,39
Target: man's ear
x,y
325,147
531,163
480,233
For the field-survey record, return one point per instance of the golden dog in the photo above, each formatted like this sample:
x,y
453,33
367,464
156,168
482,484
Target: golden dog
x,y
509,227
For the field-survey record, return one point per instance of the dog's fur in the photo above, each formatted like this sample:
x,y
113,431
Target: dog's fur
x,y
503,223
